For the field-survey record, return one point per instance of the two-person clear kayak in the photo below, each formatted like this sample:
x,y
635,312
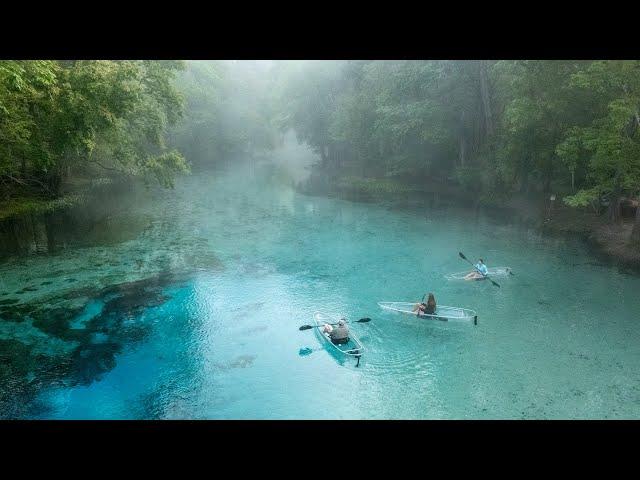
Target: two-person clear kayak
x,y
491,272
443,313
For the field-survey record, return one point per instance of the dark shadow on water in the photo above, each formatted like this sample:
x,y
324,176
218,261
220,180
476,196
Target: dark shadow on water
x,y
82,354
242,361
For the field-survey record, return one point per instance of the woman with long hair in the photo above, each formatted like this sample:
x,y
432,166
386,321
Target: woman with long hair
x,y
428,308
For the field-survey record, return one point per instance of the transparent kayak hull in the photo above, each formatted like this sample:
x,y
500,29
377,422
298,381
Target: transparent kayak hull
x,y
492,272
443,313
353,348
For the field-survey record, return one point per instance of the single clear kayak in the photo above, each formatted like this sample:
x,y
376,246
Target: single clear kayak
x,y
491,272
353,348
442,313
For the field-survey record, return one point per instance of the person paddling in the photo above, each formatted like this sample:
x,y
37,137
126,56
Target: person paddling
x,y
338,335
479,273
428,308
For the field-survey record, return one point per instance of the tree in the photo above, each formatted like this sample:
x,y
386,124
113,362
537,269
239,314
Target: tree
x,y
25,92
229,110
64,118
539,107
610,142
308,92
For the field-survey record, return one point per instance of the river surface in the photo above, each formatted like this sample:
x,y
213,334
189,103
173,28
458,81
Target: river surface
x,y
195,314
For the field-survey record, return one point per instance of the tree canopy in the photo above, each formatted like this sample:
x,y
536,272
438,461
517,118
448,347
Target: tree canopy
x,y
61,118
494,129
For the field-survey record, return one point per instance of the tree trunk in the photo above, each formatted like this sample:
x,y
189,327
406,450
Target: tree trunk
x,y
573,175
55,183
323,155
613,212
636,115
547,184
332,155
524,183
50,230
548,178
635,233
462,151
486,98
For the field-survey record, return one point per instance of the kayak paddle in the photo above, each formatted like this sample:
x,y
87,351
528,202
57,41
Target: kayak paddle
x,y
486,276
307,327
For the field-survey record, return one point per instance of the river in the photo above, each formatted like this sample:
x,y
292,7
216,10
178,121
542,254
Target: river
x,y
195,313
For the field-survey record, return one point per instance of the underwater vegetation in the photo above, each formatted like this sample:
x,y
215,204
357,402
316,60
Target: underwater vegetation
x,y
67,341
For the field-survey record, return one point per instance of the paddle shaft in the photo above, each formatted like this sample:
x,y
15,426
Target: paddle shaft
x,y
318,326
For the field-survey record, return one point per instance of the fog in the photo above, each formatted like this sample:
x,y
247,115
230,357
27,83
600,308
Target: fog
x,y
169,231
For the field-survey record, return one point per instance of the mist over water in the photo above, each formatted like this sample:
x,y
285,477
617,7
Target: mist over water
x,y
198,316
294,159
124,298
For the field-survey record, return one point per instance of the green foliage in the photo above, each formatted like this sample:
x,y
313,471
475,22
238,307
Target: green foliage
x,y
307,95
373,186
66,118
228,110
26,92
493,128
610,143
469,177
163,167
571,149
35,205
583,198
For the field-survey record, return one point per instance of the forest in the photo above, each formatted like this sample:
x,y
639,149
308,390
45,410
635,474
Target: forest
x,y
319,239
495,130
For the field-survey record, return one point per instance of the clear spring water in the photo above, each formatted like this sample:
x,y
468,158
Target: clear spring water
x,y
197,316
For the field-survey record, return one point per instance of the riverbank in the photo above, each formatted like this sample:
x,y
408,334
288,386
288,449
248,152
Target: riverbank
x,y
17,207
612,240
30,224
610,243
27,224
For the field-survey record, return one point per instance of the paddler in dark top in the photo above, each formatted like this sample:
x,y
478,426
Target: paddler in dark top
x,y
340,334
428,308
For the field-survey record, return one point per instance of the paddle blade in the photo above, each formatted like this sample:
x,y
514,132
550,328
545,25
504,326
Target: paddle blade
x,y
462,255
305,351
495,283
305,327
364,320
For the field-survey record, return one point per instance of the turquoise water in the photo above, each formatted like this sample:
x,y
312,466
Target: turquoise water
x,y
197,316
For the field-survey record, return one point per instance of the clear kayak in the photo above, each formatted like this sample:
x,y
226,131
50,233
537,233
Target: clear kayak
x,y
443,312
353,348
491,272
